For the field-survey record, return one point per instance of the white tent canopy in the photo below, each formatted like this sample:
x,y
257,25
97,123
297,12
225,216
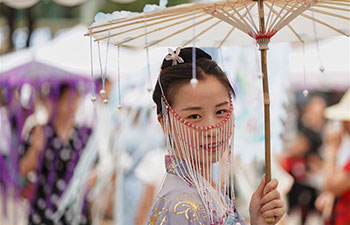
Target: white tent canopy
x,y
71,52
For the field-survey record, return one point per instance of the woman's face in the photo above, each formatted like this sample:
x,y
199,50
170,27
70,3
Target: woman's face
x,y
68,103
206,105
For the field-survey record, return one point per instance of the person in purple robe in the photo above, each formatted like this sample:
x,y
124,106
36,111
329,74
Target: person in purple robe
x,y
49,156
195,109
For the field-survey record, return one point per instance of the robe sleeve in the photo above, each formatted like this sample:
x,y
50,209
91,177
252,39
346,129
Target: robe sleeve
x,y
184,209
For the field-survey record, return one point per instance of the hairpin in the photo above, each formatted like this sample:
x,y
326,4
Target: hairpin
x,y
174,56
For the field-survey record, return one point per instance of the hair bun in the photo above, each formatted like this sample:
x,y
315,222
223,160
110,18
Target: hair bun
x,y
186,55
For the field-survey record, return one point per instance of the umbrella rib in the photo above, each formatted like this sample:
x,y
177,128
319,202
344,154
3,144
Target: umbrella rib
x,y
330,14
226,37
142,26
334,3
325,24
237,13
202,32
250,15
136,17
278,15
289,26
165,13
207,29
268,17
224,18
142,21
332,7
293,14
180,31
157,29
295,33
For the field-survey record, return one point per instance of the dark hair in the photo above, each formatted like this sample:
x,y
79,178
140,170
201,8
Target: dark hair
x,y
64,87
172,77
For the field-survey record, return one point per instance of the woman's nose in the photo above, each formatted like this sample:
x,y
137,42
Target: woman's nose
x,y
211,121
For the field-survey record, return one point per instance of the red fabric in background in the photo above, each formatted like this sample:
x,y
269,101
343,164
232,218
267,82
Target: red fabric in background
x,y
342,207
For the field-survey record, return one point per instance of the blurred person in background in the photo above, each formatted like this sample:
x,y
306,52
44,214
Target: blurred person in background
x,y
49,156
303,161
151,172
337,165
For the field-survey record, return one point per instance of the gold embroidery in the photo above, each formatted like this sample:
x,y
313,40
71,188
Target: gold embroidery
x,y
191,206
154,217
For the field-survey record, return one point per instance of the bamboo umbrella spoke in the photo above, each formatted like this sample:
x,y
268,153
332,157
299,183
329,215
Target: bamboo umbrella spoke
x,y
293,13
325,24
330,14
141,21
237,20
202,32
180,31
226,36
332,7
289,26
148,25
161,28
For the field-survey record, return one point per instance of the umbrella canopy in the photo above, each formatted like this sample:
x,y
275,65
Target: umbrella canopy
x,y
285,20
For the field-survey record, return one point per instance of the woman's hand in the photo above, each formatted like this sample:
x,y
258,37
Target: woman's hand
x,y
266,202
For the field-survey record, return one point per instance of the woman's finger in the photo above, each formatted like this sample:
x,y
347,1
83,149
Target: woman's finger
x,y
277,203
270,186
274,194
278,212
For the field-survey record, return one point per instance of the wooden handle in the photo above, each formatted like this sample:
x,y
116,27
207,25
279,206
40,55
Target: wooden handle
x,y
270,219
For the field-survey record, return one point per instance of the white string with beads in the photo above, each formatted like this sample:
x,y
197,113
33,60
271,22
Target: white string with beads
x,y
194,80
93,96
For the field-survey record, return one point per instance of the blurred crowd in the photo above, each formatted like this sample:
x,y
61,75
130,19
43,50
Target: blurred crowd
x,y
318,159
53,150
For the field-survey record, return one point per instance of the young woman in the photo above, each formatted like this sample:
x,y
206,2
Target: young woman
x,y
197,117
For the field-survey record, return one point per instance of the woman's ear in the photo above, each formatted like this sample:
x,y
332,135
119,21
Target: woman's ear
x,y
161,122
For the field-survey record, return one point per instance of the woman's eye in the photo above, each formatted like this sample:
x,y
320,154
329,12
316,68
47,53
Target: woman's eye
x,y
194,116
222,111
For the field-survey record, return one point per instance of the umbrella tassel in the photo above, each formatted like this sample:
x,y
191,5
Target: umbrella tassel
x,y
305,92
316,40
194,80
119,92
93,91
149,77
105,100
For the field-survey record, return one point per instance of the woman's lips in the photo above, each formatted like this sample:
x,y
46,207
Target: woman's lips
x,y
213,147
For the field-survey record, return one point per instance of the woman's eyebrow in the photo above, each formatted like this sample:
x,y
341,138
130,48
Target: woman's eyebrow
x,y
191,108
222,103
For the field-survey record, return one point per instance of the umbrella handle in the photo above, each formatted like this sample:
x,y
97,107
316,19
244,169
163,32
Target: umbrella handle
x,y
266,123
269,219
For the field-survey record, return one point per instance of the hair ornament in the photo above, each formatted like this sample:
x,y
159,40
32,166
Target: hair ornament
x,y
174,55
